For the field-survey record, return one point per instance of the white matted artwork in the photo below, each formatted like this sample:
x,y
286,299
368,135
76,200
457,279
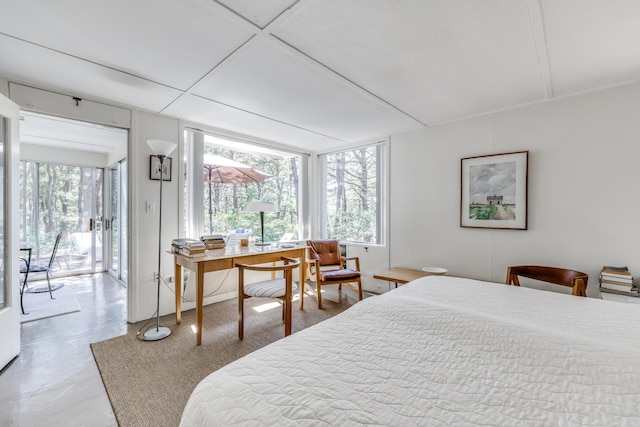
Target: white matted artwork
x,y
154,168
493,191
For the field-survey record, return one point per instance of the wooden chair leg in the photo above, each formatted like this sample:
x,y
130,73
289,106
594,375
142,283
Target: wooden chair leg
x,y
359,290
287,319
319,294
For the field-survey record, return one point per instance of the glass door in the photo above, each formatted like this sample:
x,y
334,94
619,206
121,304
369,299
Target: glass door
x,y
58,198
116,222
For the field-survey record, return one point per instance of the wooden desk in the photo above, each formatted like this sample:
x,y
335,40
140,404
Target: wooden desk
x,y
224,259
400,275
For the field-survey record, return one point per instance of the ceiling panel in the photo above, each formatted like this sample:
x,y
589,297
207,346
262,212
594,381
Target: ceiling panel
x,y
436,60
274,81
592,43
169,42
38,66
199,110
260,12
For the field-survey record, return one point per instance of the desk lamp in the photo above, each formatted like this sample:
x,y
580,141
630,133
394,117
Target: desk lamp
x,y
262,207
161,149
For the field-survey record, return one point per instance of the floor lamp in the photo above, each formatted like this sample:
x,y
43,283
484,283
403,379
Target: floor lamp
x,y
161,149
262,207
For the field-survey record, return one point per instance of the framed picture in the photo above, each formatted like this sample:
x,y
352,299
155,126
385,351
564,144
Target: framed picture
x,y
493,191
154,170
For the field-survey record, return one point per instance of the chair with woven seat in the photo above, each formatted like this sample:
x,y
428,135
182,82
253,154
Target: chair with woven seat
x,y
280,287
327,267
576,280
42,267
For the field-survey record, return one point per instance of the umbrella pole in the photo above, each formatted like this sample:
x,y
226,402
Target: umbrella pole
x,y
210,212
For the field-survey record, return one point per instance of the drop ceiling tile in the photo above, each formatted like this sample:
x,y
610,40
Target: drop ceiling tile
x,y
437,61
199,110
276,82
78,77
260,12
591,43
153,39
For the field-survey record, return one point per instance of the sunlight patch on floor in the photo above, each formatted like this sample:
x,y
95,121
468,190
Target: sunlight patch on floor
x,y
268,306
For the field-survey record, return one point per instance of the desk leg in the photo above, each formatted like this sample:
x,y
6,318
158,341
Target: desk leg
x,y
199,302
303,276
178,290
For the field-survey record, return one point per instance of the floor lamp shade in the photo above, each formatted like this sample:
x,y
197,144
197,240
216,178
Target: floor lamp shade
x,y
261,207
161,149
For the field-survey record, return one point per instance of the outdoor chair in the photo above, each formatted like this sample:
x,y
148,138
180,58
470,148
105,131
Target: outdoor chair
x,y
576,280
327,267
41,267
281,288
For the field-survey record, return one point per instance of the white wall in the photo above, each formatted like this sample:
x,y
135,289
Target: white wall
x,y
143,246
584,173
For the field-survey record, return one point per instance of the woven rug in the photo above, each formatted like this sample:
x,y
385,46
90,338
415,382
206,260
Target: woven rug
x,y
148,383
40,305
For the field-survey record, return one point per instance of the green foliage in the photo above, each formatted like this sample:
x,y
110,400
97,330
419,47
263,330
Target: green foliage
x,y
482,212
228,201
351,194
60,195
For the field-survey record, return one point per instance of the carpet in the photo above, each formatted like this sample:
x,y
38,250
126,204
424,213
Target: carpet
x,y
40,305
148,383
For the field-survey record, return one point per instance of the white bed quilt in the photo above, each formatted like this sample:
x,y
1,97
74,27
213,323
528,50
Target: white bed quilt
x,y
440,351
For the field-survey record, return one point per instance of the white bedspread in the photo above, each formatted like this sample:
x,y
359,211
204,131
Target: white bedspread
x,y
440,351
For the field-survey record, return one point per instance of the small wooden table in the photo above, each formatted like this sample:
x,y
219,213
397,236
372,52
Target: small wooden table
x,y
400,275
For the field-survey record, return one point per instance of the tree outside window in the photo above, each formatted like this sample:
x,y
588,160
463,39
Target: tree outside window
x,y
228,201
351,194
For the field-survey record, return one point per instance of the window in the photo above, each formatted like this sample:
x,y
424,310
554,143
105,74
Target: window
x,y
351,194
214,207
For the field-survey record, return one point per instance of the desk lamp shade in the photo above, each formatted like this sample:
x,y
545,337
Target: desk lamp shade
x,y
161,149
261,207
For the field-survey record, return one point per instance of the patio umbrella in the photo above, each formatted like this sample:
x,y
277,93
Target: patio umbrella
x,y
221,170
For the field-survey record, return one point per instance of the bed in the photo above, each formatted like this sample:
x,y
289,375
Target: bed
x,y
440,351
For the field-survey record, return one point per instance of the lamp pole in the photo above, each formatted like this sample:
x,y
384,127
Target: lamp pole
x,y
161,149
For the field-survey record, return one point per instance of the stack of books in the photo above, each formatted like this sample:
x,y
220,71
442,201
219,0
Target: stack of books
x,y
618,280
188,247
213,241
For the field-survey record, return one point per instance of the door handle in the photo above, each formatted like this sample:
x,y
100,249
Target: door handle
x,y
90,224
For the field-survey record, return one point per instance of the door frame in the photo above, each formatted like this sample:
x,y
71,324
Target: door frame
x,y
10,313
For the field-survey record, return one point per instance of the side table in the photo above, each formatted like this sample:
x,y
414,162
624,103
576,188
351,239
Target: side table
x,y
400,275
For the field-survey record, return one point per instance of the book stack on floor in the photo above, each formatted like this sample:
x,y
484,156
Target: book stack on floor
x,y
213,241
188,247
617,280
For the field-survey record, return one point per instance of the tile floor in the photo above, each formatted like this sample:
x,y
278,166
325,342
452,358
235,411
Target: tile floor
x,y
54,381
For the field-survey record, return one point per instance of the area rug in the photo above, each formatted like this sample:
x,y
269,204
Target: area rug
x,y
44,288
148,383
40,305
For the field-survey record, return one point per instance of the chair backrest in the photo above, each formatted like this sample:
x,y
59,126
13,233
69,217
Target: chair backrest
x,y
559,276
327,252
82,242
55,249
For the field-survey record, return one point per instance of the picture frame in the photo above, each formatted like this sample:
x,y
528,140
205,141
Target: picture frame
x,y
494,191
154,168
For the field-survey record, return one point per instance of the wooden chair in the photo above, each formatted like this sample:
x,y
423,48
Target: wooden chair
x,y
281,288
576,280
327,267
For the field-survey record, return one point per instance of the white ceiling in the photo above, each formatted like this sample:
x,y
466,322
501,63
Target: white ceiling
x,y
319,74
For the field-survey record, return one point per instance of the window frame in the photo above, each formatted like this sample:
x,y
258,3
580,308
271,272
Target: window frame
x,y
381,204
193,158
